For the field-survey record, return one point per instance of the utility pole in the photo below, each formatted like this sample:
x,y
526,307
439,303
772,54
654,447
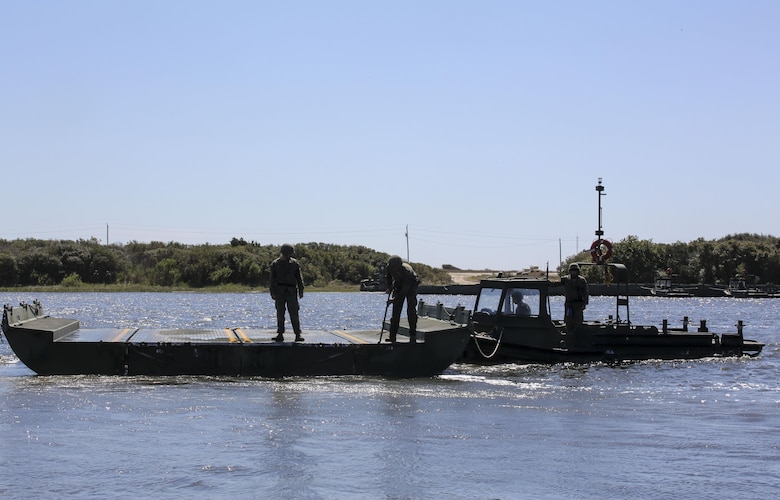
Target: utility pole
x,y
106,233
407,243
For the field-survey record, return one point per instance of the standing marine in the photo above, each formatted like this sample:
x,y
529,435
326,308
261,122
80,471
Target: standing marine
x,y
286,289
576,297
402,281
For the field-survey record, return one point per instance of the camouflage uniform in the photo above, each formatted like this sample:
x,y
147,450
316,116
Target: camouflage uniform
x,y
286,289
403,281
576,297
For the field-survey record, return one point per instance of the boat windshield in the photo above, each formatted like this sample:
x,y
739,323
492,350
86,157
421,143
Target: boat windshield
x,y
489,300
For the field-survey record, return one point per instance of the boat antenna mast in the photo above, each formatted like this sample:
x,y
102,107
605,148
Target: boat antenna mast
x,y
601,249
600,191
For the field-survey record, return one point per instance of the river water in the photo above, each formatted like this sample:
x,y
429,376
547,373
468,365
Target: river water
x,y
690,429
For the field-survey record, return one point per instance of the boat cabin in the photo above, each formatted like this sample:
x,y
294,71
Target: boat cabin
x,y
515,301
515,297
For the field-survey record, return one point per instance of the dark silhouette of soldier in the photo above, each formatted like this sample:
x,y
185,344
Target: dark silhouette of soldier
x,y
286,289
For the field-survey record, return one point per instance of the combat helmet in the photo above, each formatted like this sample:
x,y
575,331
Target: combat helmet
x,y
288,250
394,262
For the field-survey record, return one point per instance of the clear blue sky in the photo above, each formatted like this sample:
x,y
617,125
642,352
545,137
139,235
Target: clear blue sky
x,y
482,125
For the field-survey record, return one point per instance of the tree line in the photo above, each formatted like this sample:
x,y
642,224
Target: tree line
x,y
753,257
35,262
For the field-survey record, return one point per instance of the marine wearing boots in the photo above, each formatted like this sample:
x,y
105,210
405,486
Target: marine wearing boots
x,y
402,281
286,289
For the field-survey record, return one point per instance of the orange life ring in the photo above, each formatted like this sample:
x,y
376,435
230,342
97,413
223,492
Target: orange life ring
x,y
601,250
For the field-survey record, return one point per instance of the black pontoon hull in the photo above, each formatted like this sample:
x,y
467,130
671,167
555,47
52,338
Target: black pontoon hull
x,y
603,344
57,346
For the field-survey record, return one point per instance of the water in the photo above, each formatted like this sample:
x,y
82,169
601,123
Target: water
x,y
692,429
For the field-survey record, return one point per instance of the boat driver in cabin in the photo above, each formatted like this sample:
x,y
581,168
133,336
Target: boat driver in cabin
x,y
521,308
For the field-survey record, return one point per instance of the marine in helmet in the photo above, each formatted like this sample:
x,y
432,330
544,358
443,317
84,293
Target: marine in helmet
x,y
402,282
576,297
286,289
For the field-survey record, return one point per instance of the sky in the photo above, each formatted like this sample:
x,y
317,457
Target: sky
x,y
481,126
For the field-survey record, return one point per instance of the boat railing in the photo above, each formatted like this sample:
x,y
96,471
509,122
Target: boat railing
x,y
458,314
665,328
21,313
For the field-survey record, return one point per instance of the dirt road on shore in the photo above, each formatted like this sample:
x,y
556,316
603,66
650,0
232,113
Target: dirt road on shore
x,y
470,277
473,277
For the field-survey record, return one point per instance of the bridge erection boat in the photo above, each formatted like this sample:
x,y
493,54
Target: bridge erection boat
x,y
59,346
504,330
500,334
